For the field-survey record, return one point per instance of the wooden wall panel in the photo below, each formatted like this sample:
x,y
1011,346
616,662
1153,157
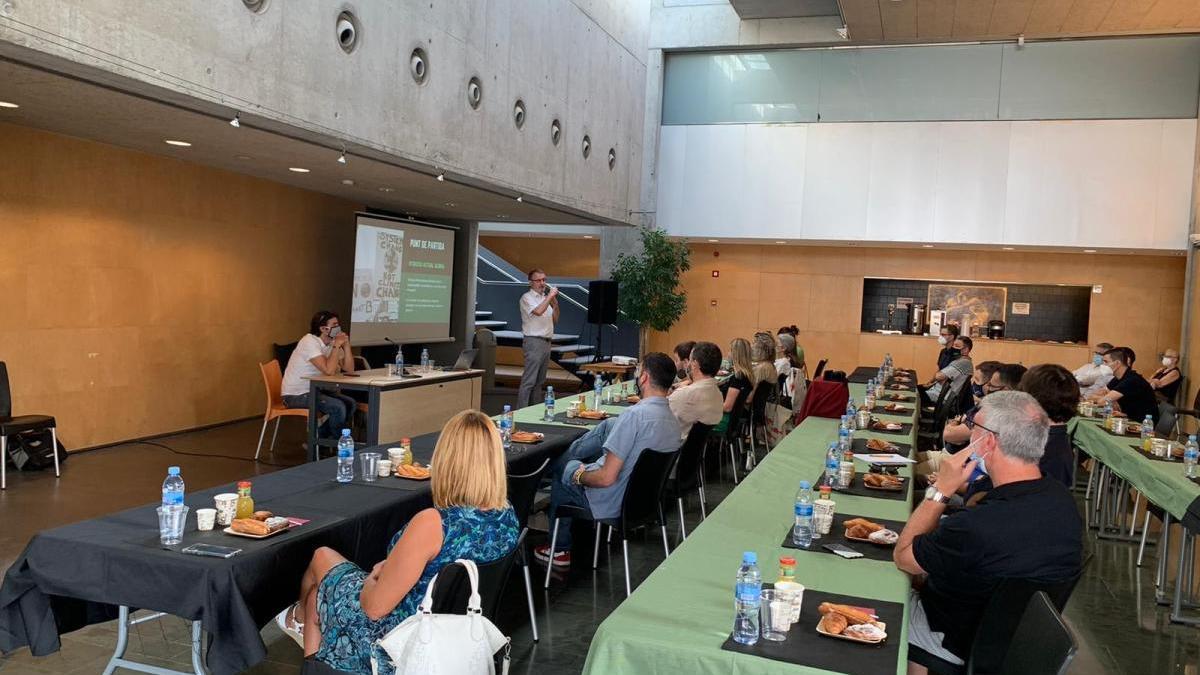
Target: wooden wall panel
x,y
559,256
145,290
820,290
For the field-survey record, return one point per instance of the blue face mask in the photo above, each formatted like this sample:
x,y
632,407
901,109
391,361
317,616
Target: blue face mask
x,y
977,390
1097,359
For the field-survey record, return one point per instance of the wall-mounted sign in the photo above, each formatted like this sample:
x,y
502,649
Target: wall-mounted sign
x,y
1020,308
1098,288
904,302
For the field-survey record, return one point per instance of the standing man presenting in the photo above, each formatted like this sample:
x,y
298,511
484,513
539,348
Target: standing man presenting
x,y
539,313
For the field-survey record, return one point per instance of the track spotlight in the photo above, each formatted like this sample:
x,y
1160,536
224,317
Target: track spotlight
x,y
342,157
520,198
236,122
441,177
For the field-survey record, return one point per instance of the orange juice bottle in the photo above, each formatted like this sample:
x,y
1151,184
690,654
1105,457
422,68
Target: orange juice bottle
x,y
245,503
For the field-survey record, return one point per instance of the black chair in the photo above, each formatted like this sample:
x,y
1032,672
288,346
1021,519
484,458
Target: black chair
x,y
764,392
283,353
733,433
522,491
453,588
641,505
1042,643
820,369
689,472
10,425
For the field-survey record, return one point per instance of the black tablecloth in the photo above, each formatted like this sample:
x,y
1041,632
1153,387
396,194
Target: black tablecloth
x,y
862,375
859,489
837,535
75,575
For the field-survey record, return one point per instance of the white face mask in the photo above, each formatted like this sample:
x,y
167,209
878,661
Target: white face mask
x,y
1167,360
942,340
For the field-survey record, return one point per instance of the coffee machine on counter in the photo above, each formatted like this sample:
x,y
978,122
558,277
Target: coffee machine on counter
x,y
916,319
937,319
995,329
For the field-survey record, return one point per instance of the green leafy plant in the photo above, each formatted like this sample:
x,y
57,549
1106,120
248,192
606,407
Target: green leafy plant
x,y
650,294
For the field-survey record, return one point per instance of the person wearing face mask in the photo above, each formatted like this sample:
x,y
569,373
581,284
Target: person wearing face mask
x,y
683,351
324,350
1001,377
599,485
701,401
1027,527
1166,380
955,375
946,339
1094,375
1128,390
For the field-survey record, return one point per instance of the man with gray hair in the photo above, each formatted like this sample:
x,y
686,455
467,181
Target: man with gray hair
x,y
1026,528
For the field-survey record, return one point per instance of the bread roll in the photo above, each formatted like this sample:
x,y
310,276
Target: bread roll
x,y
250,526
852,614
833,623
262,515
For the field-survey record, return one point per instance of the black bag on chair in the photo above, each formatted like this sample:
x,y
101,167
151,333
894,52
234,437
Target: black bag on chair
x,y
30,450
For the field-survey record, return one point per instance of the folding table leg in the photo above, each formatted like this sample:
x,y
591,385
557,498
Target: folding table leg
x,y
118,659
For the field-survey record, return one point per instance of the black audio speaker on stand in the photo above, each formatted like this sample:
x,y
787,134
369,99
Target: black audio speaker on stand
x,y
602,309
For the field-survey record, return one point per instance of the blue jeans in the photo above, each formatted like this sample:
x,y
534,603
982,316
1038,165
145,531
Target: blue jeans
x,y
584,450
338,407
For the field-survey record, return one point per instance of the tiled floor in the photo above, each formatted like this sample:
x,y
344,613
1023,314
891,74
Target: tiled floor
x,y
1119,628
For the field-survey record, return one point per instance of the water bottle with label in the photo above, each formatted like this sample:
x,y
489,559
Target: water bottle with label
x,y
1147,434
172,489
831,465
597,392
399,361
549,403
173,513
843,442
1191,453
506,427
746,599
802,529
345,457
424,360
1108,415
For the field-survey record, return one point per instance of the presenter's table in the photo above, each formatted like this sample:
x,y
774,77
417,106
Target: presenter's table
x,y
399,407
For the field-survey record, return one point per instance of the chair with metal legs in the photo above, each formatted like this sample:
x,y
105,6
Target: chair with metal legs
x,y
10,425
689,472
522,490
641,505
276,410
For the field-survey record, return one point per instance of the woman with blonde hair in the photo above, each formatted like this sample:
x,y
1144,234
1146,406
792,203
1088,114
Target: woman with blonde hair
x,y
741,377
762,355
344,610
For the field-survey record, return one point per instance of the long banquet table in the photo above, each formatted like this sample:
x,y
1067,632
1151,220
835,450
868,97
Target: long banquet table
x,y
678,618
79,574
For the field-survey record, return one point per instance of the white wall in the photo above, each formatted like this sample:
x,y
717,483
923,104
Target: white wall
x,y
1092,183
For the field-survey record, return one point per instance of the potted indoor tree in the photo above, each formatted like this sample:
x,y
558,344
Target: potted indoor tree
x,y
649,284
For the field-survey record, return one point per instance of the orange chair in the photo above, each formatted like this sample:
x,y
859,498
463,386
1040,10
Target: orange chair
x,y
273,381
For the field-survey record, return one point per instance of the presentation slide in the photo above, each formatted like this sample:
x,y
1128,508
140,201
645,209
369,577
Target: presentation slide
x,y
403,278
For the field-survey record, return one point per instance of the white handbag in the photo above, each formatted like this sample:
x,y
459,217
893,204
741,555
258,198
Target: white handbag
x,y
446,644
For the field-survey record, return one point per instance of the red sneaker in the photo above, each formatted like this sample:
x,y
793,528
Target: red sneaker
x,y
561,559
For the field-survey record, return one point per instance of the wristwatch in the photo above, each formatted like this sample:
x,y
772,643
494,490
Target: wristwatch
x,y
932,494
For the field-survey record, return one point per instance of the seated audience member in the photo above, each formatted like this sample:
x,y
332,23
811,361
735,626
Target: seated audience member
x,y
762,357
701,401
599,486
683,352
344,610
1128,390
1166,379
946,339
1004,377
981,378
741,378
955,375
1094,375
791,369
1055,389
324,350
788,352
1027,527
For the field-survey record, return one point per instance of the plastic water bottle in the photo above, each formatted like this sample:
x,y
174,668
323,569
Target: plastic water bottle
x,y
1147,434
598,391
843,442
851,412
832,459
802,530
506,427
173,488
399,361
345,467
424,360
1191,453
549,403
746,598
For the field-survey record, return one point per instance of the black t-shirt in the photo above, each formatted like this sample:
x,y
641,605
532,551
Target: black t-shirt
x,y
1168,392
1027,530
1057,460
1137,396
946,357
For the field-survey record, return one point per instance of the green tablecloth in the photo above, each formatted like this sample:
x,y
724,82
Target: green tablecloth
x,y
1163,483
677,619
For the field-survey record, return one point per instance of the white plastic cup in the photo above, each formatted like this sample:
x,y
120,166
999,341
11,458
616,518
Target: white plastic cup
x,y
796,593
383,468
396,455
370,465
206,519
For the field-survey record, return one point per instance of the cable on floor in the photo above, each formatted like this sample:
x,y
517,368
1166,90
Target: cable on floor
x,y
205,454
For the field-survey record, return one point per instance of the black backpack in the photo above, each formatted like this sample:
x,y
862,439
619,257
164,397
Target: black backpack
x,y
31,451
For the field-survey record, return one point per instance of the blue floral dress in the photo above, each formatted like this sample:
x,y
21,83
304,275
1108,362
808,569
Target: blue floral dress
x,y
348,637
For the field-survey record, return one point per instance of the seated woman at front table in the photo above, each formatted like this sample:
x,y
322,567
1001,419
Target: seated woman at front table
x,y
344,610
1166,380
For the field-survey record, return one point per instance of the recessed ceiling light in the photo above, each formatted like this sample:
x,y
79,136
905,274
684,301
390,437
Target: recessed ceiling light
x,y
781,242
387,189
1009,248
587,236
713,241
451,204
347,181
178,144
926,245
1089,250
6,104
298,169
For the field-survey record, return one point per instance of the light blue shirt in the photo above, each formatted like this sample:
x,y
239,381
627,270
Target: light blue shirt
x,y
648,425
